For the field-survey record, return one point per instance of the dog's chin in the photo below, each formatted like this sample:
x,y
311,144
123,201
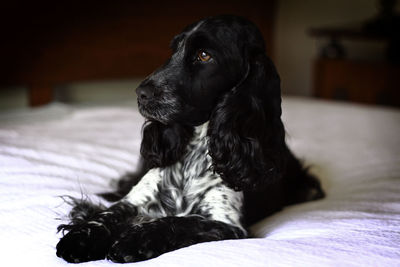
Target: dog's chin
x,y
149,116
153,115
192,117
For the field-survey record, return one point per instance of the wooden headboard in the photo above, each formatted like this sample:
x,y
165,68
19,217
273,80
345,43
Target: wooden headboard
x,y
56,42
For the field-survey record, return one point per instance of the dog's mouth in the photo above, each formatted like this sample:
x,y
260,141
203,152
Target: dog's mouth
x,y
147,111
163,109
167,107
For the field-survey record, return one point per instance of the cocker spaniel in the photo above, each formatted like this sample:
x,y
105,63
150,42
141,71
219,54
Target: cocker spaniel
x,y
214,157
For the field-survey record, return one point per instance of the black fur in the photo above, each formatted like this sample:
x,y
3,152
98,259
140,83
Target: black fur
x,y
214,157
141,242
163,145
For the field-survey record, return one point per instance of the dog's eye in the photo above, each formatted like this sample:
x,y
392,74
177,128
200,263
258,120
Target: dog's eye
x,y
203,56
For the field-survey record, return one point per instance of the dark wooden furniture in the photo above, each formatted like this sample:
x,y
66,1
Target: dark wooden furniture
x,y
47,43
357,81
338,77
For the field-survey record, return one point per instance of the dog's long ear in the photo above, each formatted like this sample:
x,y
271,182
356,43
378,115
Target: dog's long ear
x,y
246,135
163,145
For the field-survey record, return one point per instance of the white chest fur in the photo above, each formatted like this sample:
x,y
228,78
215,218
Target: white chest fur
x,y
188,187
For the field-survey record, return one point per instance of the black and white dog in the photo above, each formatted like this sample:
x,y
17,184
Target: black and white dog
x,y
214,157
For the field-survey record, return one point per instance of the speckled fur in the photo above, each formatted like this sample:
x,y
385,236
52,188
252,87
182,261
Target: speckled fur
x,y
188,187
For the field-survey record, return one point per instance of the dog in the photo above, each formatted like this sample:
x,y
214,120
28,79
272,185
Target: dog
x,y
214,157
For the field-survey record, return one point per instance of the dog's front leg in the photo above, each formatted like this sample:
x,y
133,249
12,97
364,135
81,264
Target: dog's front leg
x,y
90,238
93,229
149,240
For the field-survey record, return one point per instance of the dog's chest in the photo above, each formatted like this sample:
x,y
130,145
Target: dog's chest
x,y
183,186
178,189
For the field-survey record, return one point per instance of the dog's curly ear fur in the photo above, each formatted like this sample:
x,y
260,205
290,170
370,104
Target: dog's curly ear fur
x,y
246,134
163,145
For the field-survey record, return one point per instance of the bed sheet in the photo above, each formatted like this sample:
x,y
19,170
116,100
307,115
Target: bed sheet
x,y
62,150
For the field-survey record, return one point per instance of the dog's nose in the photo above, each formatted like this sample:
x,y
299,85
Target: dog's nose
x,y
145,93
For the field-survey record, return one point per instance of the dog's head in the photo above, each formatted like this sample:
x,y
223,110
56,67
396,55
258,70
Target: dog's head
x,y
218,72
209,58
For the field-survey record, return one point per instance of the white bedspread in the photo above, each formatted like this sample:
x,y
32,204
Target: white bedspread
x,y
63,150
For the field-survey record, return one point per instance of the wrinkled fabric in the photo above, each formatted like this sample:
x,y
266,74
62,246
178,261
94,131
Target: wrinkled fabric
x,y
62,150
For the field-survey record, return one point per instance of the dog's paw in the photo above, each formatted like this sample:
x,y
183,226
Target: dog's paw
x,y
139,243
84,243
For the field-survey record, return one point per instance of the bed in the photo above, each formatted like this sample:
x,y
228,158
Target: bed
x,y
58,150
